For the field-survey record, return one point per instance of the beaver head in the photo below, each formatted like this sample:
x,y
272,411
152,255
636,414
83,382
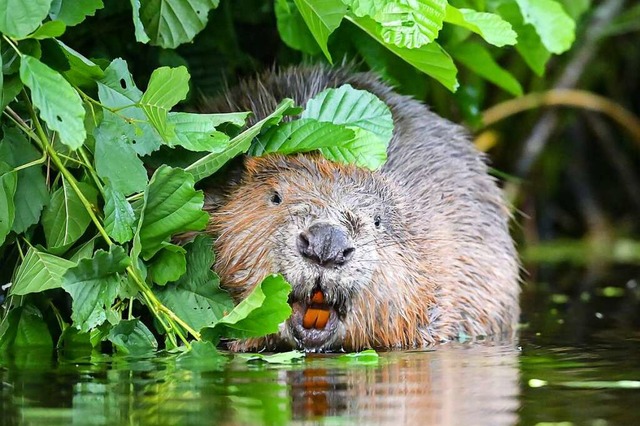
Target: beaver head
x,y
337,233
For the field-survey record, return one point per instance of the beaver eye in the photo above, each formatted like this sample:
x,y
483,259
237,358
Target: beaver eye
x,y
377,220
276,198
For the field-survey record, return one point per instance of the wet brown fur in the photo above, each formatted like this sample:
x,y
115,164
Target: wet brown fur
x,y
442,265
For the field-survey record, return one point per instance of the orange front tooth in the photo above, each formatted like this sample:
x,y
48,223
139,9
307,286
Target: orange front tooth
x,y
318,297
310,318
322,318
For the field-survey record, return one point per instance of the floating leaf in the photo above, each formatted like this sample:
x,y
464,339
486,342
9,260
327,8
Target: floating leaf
x,y
490,26
322,18
278,358
59,104
39,271
169,23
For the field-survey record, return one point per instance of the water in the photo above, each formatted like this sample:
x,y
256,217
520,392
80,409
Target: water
x,y
552,374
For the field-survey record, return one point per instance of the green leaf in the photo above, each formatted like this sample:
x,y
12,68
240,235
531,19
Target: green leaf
x,y
24,327
351,107
38,272
132,337
168,264
203,355
11,87
322,18
166,88
169,23
555,27
20,18
529,45
368,356
49,29
490,26
73,344
300,136
116,159
72,12
171,205
65,219
365,150
259,314
59,104
209,164
81,71
31,192
478,59
93,284
431,59
8,185
196,132
140,32
117,90
278,358
196,297
292,28
403,23
118,215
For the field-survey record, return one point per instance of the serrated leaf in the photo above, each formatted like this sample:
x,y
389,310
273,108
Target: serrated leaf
x,y
322,18
293,31
478,59
209,164
132,337
403,23
365,149
117,90
196,297
168,264
259,314
39,271
196,132
49,29
431,59
72,12
118,215
302,135
555,28
20,18
490,26
171,205
116,160
351,107
59,104
31,193
166,88
24,327
8,185
169,23
65,219
93,285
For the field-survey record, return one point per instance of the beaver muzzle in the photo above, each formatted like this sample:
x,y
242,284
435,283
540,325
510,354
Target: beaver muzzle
x,y
314,323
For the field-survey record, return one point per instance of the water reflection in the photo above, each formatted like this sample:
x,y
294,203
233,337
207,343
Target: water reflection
x,y
464,384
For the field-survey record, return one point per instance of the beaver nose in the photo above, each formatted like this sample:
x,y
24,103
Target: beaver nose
x,y
326,244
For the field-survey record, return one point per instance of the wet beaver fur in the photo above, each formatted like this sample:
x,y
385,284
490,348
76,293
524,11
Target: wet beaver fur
x,y
415,254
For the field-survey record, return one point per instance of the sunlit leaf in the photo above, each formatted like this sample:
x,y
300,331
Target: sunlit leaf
x,y
197,132
365,149
49,29
258,314
93,285
141,34
322,18
59,104
169,23
490,26
20,18
277,358
72,12
171,205
39,271
555,28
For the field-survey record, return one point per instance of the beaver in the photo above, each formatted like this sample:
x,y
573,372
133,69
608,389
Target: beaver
x,y
414,254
